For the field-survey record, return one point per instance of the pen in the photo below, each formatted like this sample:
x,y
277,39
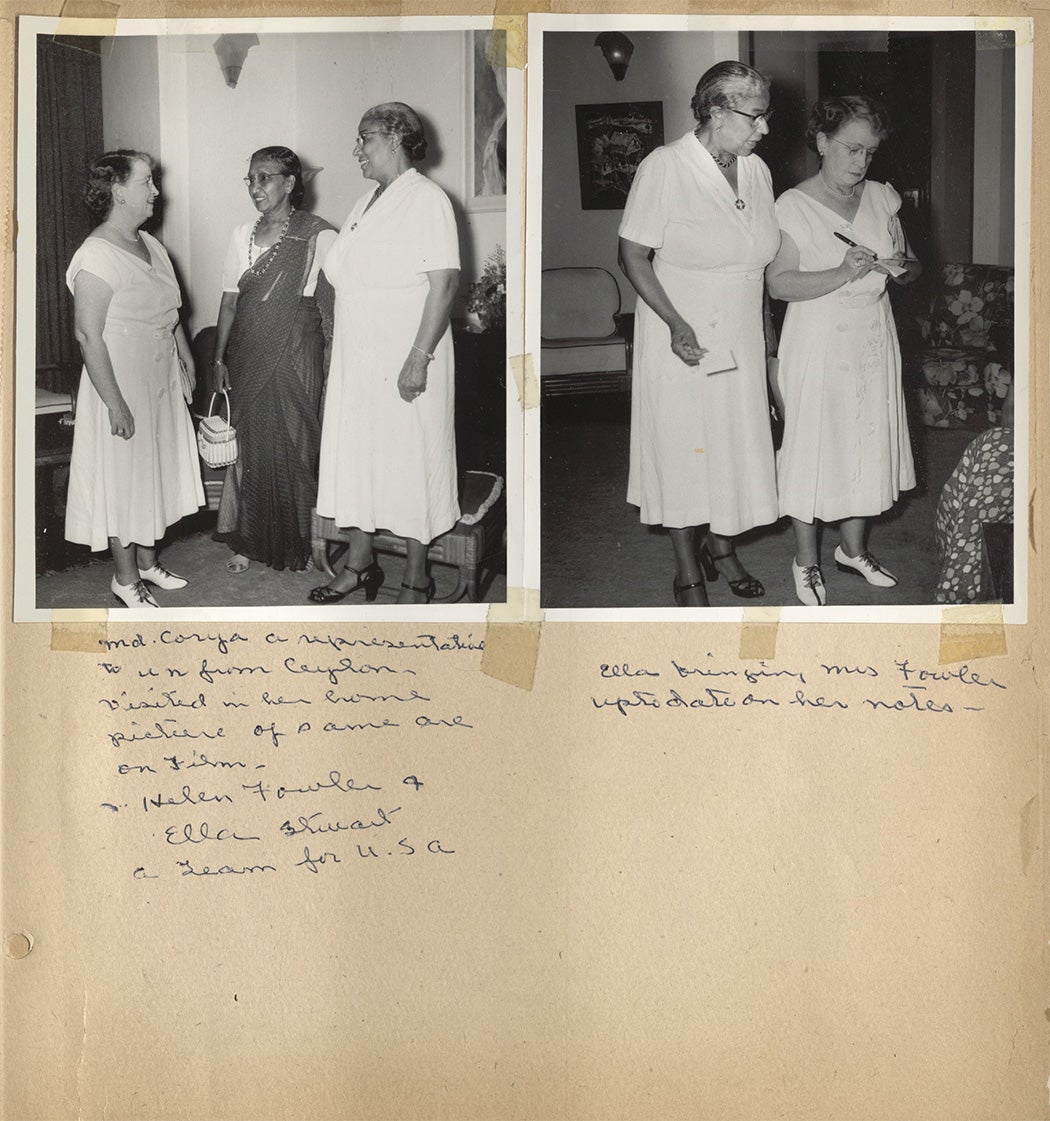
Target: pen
x,y
851,244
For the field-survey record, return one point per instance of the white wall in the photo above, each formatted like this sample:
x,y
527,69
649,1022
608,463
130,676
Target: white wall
x,y
306,91
664,67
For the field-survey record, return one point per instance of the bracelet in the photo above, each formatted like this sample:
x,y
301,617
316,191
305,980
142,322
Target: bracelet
x,y
218,362
428,357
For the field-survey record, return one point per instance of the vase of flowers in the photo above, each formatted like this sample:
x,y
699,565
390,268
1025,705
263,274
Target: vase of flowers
x,y
487,296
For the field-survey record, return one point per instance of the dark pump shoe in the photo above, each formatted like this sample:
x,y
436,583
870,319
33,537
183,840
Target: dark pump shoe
x,y
370,578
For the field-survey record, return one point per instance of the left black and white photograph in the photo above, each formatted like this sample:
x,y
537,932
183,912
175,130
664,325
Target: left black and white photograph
x,y
262,305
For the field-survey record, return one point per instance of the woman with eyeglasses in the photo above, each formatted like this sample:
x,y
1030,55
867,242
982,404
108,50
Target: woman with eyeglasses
x,y
846,454
388,449
697,232
269,354
134,469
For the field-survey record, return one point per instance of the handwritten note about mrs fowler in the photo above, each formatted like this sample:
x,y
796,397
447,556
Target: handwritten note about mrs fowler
x,y
282,755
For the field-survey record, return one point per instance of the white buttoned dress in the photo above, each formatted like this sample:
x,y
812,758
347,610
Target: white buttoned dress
x,y
387,463
701,450
846,452
133,489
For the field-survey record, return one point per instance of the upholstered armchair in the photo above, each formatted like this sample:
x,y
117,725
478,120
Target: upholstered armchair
x,y
586,340
964,365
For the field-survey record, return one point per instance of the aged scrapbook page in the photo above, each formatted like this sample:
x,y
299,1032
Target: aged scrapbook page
x,y
522,595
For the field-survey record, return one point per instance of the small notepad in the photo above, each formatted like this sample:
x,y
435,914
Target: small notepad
x,y
716,361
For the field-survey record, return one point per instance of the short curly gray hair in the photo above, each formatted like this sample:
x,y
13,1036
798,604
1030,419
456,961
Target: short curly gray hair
x,y
395,118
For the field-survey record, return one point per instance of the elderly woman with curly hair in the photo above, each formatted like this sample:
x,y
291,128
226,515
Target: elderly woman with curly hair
x,y
846,454
388,452
134,469
697,232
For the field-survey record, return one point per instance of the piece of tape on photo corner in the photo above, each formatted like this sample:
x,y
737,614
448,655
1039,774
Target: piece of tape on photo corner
x,y
971,631
79,631
507,45
512,638
88,17
758,632
524,371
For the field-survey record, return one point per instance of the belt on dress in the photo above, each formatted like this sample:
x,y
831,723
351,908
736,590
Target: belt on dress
x,y
142,331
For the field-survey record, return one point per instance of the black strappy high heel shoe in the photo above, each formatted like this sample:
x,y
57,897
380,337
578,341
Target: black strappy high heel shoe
x,y
428,591
747,587
370,578
678,589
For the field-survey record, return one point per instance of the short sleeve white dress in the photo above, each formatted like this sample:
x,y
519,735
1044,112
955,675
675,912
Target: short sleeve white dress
x,y
701,449
846,451
387,463
133,489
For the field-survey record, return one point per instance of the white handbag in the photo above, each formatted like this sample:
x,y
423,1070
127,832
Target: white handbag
x,y
217,438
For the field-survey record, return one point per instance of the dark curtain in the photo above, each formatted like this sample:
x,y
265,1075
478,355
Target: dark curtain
x,y
69,136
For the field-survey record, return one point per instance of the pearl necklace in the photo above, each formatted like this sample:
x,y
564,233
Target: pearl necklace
x,y
133,238
831,190
265,248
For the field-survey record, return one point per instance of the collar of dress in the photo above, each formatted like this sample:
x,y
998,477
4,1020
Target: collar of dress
x,y
703,164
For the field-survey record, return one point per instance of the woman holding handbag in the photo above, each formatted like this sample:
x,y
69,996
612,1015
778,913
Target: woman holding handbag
x,y
134,468
269,353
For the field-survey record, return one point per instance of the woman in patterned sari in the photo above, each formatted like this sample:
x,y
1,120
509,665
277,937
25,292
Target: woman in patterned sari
x,y
269,352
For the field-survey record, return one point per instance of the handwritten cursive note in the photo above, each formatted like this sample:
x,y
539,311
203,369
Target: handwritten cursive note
x,y
895,687
286,754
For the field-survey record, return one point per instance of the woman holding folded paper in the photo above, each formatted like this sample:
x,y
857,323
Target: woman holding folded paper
x,y
846,454
697,232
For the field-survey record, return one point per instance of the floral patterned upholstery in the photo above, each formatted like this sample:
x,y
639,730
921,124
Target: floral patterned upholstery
x,y
962,376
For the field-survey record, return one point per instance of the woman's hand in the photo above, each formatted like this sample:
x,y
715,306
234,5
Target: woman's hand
x,y
857,262
220,376
121,422
412,381
684,344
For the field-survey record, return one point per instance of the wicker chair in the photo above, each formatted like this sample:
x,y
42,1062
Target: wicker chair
x,y
478,538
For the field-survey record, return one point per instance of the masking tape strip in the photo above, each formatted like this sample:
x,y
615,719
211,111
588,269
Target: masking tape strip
x,y
88,17
758,633
972,631
525,379
511,48
79,630
512,638
1002,25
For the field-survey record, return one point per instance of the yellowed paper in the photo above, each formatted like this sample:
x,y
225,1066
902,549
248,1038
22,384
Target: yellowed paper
x,y
492,867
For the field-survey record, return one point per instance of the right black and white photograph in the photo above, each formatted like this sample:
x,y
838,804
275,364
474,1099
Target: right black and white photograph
x,y
783,358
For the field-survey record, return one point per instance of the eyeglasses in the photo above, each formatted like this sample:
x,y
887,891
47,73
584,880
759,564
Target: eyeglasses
x,y
363,136
262,178
754,118
855,149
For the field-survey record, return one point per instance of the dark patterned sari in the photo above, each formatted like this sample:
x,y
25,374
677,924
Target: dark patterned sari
x,y
276,359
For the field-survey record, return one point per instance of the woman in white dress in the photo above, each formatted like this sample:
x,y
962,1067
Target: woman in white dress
x,y
388,449
846,454
698,230
134,469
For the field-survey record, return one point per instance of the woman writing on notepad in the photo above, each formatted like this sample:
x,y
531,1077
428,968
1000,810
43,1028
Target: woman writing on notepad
x,y
697,232
846,455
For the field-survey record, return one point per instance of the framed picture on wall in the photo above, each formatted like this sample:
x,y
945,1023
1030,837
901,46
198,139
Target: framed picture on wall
x,y
613,140
486,148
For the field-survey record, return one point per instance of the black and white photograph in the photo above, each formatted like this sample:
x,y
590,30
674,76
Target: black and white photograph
x,y
268,275
788,369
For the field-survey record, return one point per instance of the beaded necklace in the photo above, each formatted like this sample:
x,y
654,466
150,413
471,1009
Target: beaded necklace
x,y
268,251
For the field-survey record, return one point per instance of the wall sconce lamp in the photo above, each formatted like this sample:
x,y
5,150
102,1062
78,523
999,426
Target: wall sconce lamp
x,y
617,49
231,51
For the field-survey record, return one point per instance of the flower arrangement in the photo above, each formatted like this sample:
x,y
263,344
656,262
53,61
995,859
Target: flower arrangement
x,y
487,296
